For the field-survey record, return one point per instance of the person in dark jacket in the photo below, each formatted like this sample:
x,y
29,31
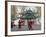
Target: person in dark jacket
x,y
21,22
12,24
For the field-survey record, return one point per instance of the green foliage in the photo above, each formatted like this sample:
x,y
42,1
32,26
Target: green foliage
x,y
29,15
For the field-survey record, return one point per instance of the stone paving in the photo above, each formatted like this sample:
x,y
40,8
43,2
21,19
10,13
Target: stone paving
x,y
25,28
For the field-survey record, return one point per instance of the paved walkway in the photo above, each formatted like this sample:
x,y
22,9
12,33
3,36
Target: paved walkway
x,y
25,28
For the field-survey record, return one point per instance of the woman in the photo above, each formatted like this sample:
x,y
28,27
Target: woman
x,y
30,22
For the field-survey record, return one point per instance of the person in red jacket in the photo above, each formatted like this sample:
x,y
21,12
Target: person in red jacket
x,y
30,22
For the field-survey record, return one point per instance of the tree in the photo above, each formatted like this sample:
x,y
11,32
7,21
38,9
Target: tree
x,y
28,14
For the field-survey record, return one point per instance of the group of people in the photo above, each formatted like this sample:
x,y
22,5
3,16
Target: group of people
x,y
22,22
29,23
